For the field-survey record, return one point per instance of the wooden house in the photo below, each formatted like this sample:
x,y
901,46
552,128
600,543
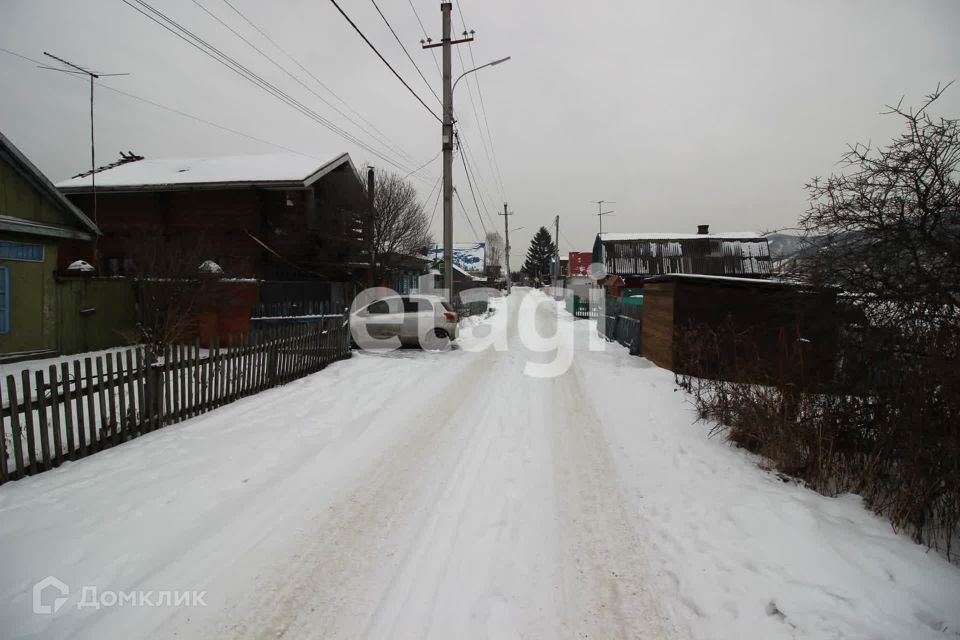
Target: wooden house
x,y
281,217
36,221
633,258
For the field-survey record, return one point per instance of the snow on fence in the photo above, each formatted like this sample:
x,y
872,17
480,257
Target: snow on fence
x,y
77,409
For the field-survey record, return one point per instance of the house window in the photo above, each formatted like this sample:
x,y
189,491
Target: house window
x,y
21,251
4,300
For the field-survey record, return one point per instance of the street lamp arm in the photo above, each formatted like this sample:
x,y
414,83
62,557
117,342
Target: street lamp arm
x,y
483,66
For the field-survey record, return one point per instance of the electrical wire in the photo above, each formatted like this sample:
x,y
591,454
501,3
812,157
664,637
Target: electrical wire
x,y
309,73
466,217
178,112
435,203
208,49
470,183
425,35
384,60
291,75
412,61
424,165
495,168
468,172
482,188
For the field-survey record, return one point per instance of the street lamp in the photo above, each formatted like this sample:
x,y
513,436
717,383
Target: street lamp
x,y
483,66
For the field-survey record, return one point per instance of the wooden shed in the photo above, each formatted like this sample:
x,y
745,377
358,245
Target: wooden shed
x,y
762,314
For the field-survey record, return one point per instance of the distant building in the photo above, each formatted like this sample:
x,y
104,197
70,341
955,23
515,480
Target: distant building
x,y
579,263
631,258
35,221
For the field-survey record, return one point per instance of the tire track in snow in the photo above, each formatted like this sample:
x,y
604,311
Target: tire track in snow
x,y
326,589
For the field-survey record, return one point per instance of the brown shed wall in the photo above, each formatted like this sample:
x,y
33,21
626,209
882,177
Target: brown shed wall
x,y
767,318
658,323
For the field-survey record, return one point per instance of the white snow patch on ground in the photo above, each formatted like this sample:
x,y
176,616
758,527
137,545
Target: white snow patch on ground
x,y
422,495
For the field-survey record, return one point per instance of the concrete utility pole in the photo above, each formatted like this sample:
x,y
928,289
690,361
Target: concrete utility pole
x,y
447,141
371,225
556,253
506,233
447,137
601,212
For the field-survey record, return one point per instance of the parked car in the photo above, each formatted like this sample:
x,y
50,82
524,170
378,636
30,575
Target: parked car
x,y
415,320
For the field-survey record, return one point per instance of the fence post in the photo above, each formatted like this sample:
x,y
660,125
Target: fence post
x,y
67,410
4,471
55,414
16,431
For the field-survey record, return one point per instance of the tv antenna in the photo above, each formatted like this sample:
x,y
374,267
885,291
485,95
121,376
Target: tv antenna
x,y
78,70
601,212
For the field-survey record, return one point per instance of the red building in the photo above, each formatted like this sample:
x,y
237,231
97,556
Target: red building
x,y
282,217
579,263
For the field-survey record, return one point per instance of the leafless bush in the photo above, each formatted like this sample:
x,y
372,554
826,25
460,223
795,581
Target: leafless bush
x,y
894,439
171,291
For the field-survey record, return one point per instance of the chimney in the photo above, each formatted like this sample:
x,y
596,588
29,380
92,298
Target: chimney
x,y
703,229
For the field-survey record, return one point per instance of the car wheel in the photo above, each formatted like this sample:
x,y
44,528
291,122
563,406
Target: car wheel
x,y
436,340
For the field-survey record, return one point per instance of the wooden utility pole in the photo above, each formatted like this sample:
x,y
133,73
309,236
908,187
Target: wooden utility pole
x,y
506,233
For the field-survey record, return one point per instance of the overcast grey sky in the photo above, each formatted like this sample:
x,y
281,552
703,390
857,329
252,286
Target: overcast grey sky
x,y
682,112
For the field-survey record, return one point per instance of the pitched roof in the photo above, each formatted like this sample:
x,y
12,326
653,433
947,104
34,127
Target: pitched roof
x,y
274,169
33,176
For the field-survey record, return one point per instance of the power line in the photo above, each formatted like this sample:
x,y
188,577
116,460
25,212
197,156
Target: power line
x,y
313,77
466,217
384,60
476,115
208,49
469,173
425,35
496,165
472,193
478,177
412,61
288,73
435,203
180,113
425,164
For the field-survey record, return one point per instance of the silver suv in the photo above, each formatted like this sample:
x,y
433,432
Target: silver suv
x,y
415,320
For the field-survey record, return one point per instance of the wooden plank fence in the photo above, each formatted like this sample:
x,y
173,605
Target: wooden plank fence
x,y
76,409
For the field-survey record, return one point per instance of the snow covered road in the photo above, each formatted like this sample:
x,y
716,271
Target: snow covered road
x,y
418,495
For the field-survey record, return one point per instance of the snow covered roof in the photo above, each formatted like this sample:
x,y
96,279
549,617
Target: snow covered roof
x,y
730,235
274,169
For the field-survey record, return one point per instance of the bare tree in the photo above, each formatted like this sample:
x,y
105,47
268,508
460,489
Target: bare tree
x,y
888,225
494,249
174,283
400,224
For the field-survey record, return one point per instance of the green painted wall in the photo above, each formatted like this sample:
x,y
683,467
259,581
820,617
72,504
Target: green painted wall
x,y
19,199
33,318
95,313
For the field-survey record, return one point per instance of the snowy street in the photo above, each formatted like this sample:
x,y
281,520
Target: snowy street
x,y
453,495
